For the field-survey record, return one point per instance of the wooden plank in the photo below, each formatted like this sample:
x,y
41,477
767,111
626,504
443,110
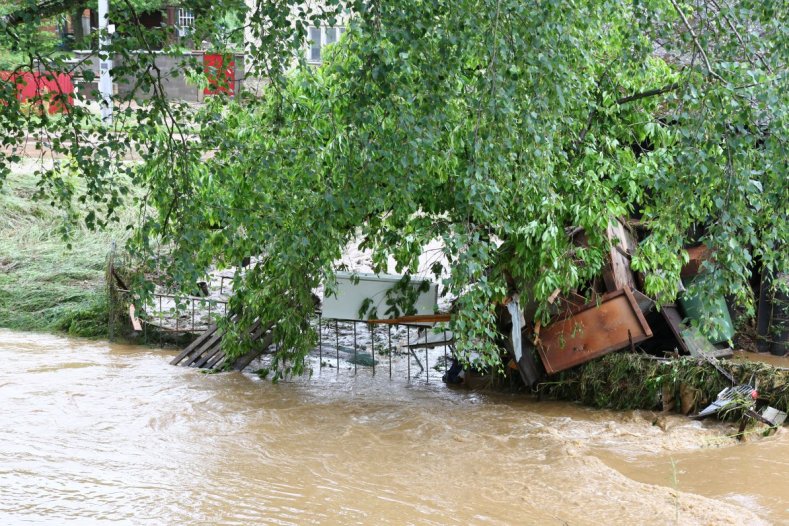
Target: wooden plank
x,y
210,344
206,350
593,332
216,360
135,321
202,348
208,354
254,326
195,344
673,318
260,330
211,359
419,318
218,364
434,340
617,274
242,361
216,357
645,303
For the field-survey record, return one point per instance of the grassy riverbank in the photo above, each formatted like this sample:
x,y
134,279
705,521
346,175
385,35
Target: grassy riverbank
x,y
44,285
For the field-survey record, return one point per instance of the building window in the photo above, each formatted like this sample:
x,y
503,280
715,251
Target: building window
x,y
185,21
319,37
315,44
331,35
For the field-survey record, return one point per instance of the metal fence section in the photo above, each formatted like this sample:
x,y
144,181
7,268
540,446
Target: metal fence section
x,y
405,350
398,350
172,314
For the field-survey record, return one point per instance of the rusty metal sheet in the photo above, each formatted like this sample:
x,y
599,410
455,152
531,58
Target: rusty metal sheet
x,y
696,256
594,330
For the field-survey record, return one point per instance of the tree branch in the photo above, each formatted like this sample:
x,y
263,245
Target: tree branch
x,y
43,9
648,93
739,37
695,41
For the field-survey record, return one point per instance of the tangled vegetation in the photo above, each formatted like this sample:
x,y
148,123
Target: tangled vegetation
x,y
633,381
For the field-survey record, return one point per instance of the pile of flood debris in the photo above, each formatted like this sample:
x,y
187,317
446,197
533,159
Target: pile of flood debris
x,y
685,384
620,317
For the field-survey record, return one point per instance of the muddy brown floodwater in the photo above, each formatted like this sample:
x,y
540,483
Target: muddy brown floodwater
x,y
94,433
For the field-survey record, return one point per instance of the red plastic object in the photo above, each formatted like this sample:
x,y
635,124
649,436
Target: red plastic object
x,y
34,86
221,78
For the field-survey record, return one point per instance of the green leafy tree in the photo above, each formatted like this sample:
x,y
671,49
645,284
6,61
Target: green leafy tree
x,y
495,126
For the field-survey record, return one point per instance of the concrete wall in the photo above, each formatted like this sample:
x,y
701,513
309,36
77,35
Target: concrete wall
x,y
177,86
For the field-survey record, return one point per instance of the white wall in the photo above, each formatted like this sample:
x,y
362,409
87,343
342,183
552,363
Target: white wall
x,y
306,6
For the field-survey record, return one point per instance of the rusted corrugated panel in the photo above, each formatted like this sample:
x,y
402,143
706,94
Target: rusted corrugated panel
x,y
593,331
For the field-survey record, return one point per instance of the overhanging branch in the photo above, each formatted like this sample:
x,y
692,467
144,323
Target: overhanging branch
x,y
648,93
695,40
43,9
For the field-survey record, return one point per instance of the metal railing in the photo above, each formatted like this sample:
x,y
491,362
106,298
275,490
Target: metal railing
x,y
410,349
170,313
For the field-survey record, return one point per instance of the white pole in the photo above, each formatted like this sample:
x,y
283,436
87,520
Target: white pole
x,y
105,80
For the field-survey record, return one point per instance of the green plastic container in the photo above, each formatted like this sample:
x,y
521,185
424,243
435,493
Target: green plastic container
x,y
716,309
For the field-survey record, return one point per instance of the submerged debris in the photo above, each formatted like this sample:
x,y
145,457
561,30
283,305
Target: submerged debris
x,y
569,357
731,396
637,381
774,416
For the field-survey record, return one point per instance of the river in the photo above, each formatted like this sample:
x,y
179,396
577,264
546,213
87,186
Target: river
x,y
99,433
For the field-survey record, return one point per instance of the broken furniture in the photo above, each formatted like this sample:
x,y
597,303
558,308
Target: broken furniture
x,y
773,415
206,350
618,316
593,330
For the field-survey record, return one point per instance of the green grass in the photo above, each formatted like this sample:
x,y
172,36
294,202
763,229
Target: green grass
x,y
44,285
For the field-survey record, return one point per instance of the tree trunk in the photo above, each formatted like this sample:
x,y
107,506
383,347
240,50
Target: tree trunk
x,y
76,26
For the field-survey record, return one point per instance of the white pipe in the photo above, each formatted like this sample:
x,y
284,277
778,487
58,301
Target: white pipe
x,y
105,65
